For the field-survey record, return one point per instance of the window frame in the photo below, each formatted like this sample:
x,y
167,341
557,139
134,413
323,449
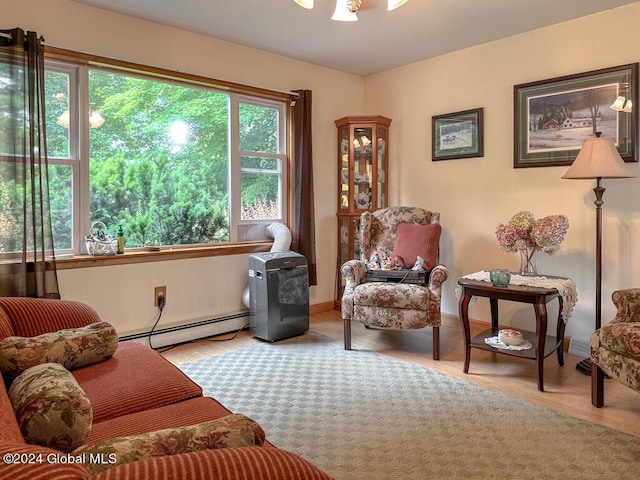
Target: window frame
x,y
80,64
236,161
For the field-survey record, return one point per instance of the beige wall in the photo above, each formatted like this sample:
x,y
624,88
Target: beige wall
x,y
474,195
199,288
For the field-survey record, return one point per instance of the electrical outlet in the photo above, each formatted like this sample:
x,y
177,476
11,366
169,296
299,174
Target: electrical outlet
x,y
159,292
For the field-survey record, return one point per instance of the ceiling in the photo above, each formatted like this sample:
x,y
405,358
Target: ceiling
x,y
379,41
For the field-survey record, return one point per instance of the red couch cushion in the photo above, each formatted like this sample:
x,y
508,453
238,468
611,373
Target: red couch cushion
x,y
189,412
136,378
42,467
6,328
9,428
34,316
222,463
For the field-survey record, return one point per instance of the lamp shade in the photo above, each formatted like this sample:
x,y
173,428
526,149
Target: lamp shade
x,y
598,158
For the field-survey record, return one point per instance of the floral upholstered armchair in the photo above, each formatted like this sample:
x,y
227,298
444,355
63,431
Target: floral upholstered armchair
x,y
615,348
402,234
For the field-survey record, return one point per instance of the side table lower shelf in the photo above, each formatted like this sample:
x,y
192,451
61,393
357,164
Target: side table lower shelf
x,y
550,346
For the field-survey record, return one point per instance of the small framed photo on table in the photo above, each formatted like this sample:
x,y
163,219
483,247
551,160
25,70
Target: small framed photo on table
x,y
458,135
554,117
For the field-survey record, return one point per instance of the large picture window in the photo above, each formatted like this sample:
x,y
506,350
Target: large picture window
x,y
176,163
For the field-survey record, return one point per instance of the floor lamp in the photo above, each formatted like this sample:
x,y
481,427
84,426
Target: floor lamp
x,y
598,159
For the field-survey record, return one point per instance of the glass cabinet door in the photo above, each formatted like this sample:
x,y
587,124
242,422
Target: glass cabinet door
x,y
344,181
362,167
381,145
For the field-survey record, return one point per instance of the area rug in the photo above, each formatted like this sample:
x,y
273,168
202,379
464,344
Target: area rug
x,y
362,415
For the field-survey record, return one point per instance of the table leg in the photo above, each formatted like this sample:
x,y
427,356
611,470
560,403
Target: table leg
x,y
560,333
540,308
493,302
463,313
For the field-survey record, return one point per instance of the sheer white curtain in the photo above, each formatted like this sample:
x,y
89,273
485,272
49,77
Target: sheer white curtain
x,y
26,240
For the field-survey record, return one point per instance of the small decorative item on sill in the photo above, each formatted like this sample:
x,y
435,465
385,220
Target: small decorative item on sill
x,y
524,234
120,239
99,243
500,277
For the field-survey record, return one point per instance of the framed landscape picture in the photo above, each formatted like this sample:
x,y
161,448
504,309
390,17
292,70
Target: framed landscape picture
x,y
458,135
552,118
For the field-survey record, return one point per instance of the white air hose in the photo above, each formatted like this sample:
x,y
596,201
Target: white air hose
x,y
281,242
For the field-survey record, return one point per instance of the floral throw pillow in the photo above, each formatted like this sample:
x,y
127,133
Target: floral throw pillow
x,y
230,431
51,408
72,348
418,240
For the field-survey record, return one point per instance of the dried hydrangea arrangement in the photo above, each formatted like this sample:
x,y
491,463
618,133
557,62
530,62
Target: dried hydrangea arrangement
x,y
524,234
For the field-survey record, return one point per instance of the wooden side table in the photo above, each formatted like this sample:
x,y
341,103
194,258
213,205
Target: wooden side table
x,y
543,345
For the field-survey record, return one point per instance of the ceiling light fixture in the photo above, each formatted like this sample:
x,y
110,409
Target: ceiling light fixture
x,y
95,119
346,10
393,4
305,3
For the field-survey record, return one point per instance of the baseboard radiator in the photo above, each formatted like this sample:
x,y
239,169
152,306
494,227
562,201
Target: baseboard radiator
x,y
162,337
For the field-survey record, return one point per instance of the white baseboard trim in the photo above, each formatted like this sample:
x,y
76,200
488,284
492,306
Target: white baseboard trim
x,y
187,333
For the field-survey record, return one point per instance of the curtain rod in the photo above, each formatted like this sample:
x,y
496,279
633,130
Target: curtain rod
x,y
293,94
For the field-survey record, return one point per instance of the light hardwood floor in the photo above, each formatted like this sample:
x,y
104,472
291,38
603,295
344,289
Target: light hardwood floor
x,y
566,389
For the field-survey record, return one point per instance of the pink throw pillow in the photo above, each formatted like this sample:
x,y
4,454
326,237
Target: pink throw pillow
x,y
418,240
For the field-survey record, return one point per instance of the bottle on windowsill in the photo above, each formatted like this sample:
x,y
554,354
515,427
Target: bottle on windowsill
x,y
120,239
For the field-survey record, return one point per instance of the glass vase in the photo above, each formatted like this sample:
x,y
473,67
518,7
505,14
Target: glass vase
x,y
527,262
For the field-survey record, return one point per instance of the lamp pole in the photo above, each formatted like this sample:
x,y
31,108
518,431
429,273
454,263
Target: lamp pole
x,y
599,191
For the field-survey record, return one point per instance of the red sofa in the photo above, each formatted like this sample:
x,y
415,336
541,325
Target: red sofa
x,y
133,392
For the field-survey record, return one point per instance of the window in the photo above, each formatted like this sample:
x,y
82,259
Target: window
x,y
175,162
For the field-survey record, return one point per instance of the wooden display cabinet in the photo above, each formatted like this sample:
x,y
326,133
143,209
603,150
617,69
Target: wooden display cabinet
x,y
363,151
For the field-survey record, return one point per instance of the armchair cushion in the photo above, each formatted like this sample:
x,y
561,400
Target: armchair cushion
x,y
392,295
51,408
418,240
622,338
225,432
72,348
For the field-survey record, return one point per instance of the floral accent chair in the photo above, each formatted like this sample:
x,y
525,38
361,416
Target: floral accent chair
x,y
615,348
395,305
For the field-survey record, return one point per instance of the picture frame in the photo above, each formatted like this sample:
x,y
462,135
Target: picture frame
x,y
458,135
552,118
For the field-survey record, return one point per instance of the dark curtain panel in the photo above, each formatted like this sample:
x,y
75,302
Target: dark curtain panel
x,y
26,240
304,229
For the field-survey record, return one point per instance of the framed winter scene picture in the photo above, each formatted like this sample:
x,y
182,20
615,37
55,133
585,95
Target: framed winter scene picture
x,y
552,118
458,135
